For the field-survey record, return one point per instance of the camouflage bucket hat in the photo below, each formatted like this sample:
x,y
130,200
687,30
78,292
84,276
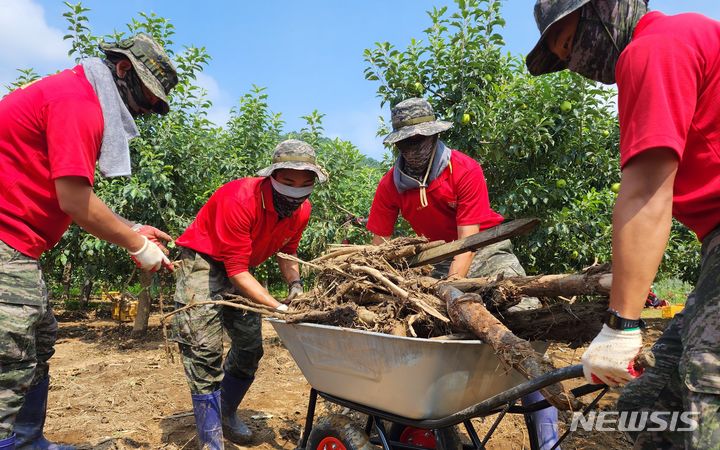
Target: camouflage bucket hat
x,y
151,63
547,12
412,117
297,155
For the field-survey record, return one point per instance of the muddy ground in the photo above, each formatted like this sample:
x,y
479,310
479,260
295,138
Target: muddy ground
x,y
113,392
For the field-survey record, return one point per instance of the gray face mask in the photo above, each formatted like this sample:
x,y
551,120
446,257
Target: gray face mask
x,y
604,30
416,152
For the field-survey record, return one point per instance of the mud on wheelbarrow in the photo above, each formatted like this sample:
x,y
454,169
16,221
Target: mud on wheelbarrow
x,y
413,391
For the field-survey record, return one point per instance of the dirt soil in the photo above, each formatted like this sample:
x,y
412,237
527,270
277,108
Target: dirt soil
x,y
110,391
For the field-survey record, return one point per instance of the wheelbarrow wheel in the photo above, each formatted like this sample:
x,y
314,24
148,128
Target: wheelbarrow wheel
x,y
423,438
338,432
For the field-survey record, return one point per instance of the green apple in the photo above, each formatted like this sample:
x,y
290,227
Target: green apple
x,y
565,106
419,87
615,187
560,184
465,119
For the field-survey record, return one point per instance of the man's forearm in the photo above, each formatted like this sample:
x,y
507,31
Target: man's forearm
x,y
640,235
253,290
289,269
77,199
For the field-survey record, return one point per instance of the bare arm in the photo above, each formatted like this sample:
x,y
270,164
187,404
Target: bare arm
x,y
641,227
253,290
77,200
461,263
289,269
377,239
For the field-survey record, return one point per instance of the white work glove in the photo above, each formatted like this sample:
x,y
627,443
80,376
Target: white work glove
x,y
610,358
150,257
156,236
282,307
295,289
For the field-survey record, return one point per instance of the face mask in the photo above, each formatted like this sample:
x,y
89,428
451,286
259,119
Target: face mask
x,y
287,199
131,91
416,152
604,30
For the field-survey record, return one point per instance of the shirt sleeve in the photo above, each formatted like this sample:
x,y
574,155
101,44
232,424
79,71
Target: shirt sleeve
x,y
292,246
231,233
658,81
385,208
473,203
74,135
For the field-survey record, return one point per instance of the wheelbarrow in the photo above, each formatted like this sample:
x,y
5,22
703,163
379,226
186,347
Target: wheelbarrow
x,y
413,391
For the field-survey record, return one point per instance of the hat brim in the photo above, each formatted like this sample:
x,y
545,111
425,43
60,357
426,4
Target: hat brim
x,y
322,176
541,60
424,129
148,79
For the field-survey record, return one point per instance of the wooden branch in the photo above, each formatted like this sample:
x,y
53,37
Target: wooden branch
x,y
467,312
398,291
543,285
486,237
267,311
411,250
343,251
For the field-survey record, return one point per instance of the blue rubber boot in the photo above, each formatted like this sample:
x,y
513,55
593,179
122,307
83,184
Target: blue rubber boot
x,y
207,419
542,423
8,443
233,390
30,421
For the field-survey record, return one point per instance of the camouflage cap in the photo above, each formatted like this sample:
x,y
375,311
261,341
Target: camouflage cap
x,y
412,117
151,63
297,155
547,12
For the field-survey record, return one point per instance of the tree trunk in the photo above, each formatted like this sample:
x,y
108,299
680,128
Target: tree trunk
x,y
468,312
67,280
86,292
143,309
543,285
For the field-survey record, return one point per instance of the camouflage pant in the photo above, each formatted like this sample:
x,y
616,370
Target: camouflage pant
x,y
686,376
489,261
199,330
27,332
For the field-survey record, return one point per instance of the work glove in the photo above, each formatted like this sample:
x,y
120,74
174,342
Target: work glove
x,y
295,289
610,358
282,307
150,257
156,236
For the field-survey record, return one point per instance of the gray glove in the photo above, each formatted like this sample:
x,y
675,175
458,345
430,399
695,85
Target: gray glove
x,y
295,289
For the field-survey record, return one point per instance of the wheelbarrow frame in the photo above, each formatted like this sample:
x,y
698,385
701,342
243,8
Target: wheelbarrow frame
x,y
500,404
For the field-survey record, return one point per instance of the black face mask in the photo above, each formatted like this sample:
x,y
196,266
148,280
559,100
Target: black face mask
x,y
285,206
131,91
417,152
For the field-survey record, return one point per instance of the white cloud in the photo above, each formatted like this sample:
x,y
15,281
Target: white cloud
x,y
358,127
25,37
219,113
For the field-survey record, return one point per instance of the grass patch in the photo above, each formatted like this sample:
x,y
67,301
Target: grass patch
x,y
673,290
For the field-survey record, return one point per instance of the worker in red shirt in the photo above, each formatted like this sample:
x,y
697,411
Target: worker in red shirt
x,y
52,134
667,70
443,195
244,223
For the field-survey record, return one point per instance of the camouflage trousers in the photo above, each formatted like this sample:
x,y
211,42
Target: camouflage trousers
x,y
199,330
686,376
27,332
489,261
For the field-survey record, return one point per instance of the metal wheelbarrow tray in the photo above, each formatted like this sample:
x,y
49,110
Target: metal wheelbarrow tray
x,y
410,377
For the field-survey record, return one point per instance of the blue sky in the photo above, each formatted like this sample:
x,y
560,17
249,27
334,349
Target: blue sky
x,y
307,53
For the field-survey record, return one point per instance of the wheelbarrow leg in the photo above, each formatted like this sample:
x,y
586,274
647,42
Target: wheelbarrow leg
x,y
309,418
380,429
474,438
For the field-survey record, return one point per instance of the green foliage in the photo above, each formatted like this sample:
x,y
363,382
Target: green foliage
x,y
673,290
548,145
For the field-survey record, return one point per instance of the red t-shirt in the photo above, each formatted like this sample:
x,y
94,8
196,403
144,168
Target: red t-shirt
x,y
239,227
458,196
49,129
668,81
